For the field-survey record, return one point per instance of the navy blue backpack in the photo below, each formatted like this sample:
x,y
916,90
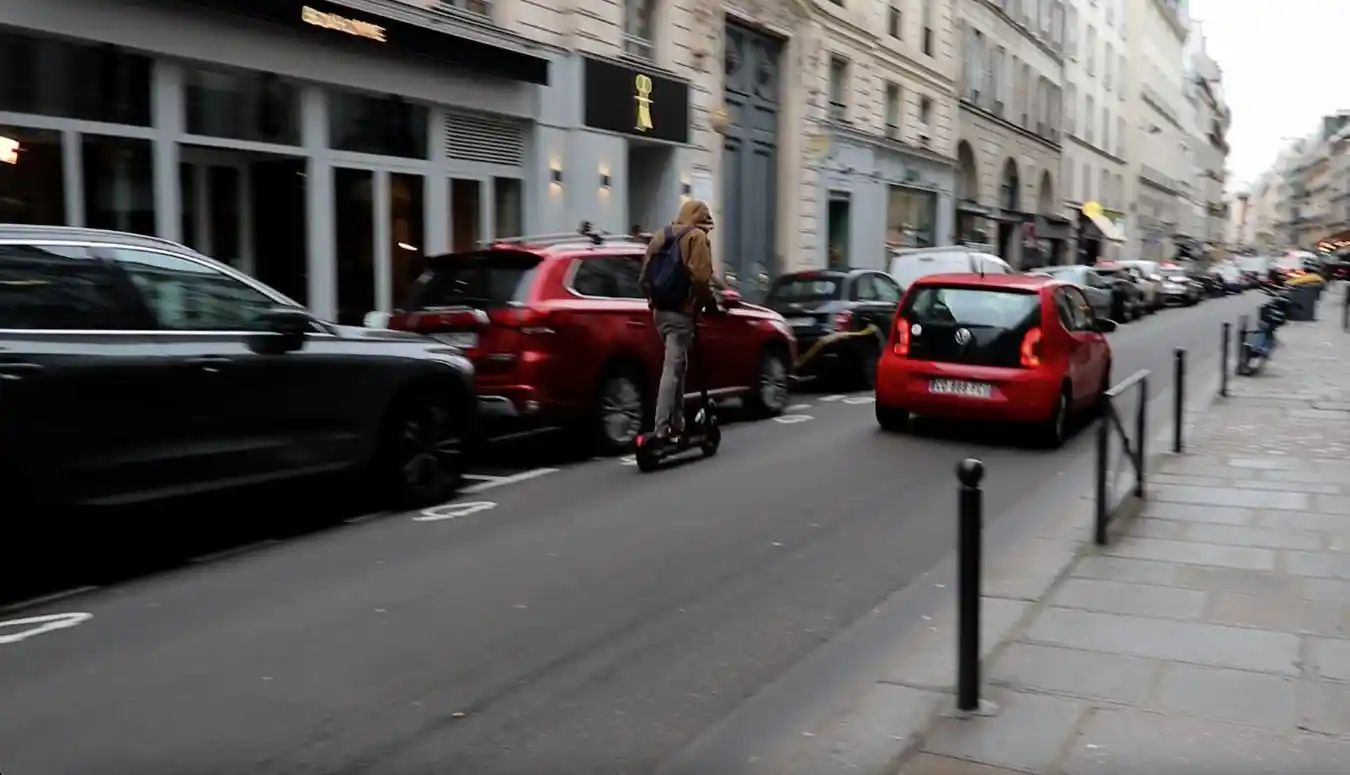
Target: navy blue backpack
x,y
667,276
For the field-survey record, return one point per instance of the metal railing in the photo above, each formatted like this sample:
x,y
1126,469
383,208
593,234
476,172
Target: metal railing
x,y
1107,504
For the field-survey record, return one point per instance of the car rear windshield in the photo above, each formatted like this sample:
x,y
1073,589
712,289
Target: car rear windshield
x,y
490,278
804,288
971,307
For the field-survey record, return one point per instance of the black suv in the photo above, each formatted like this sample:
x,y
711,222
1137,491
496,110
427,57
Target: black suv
x,y
133,369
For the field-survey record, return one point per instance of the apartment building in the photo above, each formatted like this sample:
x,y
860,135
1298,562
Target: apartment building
x,y
1095,128
1011,128
1158,131
1208,144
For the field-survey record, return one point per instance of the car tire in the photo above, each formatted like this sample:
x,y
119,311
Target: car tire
x,y
772,392
622,409
421,457
1054,431
892,419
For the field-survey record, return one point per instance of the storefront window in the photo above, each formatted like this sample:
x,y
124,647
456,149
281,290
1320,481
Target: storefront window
x,y
73,80
243,106
909,218
354,215
466,214
508,207
32,188
119,186
384,126
406,216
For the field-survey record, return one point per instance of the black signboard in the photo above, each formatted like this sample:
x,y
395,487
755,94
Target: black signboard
x,y
635,102
343,25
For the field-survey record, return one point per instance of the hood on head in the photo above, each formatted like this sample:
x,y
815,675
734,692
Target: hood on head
x,y
695,213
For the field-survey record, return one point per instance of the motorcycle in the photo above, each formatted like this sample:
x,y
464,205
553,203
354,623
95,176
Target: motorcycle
x,y
1259,344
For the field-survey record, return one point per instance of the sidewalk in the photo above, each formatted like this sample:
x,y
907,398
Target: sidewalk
x,y
1215,636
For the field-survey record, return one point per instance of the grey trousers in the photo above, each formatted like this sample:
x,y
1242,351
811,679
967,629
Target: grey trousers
x,y
677,332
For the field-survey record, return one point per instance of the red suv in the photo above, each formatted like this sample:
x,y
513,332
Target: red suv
x,y
560,336
1023,348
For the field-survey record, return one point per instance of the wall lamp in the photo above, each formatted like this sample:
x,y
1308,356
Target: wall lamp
x,y
686,189
604,180
556,176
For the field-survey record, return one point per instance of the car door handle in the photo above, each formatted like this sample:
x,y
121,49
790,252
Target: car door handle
x,y
210,363
14,371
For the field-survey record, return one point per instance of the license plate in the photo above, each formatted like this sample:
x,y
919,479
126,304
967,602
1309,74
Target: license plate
x,y
958,387
465,340
801,322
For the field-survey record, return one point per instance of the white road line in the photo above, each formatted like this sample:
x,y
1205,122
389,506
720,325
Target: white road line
x,y
797,408
628,460
483,477
453,511
833,398
43,624
523,476
366,517
857,400
234,551
793,419
45,599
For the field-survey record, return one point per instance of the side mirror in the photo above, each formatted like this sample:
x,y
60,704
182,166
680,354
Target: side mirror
x,y
731,297
287,327
1105,325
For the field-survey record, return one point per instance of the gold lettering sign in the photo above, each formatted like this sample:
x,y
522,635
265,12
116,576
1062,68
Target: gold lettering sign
x,y
331,21
643,85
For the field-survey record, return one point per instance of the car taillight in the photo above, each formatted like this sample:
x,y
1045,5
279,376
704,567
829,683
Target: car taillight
x,y
901,338
843,321
523,319
1031,349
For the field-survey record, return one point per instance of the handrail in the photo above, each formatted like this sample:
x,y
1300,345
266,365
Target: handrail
x,y
1135,452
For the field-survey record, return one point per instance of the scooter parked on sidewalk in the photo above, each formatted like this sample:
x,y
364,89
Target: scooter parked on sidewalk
x,y
700,431
1260,344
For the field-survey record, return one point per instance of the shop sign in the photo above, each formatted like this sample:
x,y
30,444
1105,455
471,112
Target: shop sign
x,y
9,150
337,23
635,102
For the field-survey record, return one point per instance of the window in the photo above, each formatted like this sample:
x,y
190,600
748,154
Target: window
x,y
1071,105
119,183
609,277
1106,129
1120,76
1110,13
637,28
1070,182
94,82
864,289
1071,32
838,89
975,68
1026,97
32,190
1090,55
887,289
1087,182
1074,312
894,22
999,86
928,22
62,288
1108,62
186,295
1104,186
480,7
1090,121
384,126
508,207
910,221
925,110
242,106
893,111
1057,27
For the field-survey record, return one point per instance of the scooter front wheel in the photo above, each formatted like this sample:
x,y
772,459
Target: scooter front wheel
x,y
646,456
713,441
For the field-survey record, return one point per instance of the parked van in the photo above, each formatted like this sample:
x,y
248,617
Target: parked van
x,y
911,264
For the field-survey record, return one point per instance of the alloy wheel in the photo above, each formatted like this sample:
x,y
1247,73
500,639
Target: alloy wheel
x,y
773,383
433,448
621,411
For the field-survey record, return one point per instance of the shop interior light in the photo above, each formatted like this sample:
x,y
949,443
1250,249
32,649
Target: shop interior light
x,y
406,246
9,150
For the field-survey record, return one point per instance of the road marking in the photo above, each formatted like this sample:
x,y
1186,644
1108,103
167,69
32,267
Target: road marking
x,y
628,460
833,398
45,599
44,624
856,400
502,481
793,419
453,511
233,551
366,517
798,407
483,477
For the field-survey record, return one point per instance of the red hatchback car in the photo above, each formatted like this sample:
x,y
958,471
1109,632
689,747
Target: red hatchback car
x,y
1020,348
560,337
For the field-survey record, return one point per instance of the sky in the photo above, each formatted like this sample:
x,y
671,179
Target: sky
x,y
1283,69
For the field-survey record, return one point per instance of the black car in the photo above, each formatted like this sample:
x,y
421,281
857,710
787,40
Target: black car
x,y
841,318
133,369
1127,299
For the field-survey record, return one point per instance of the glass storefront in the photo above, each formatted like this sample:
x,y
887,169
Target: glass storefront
x,y
911,218
406,233
119,183
32,189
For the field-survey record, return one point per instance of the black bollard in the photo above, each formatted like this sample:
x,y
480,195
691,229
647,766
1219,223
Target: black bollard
x,y
1238,364
1179,388
1223,359
970,472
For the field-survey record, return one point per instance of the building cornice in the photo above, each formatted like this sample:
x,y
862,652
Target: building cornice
x,y
1004,123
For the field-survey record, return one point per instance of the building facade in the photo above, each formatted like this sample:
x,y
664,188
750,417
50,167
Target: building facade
x,y
1208,144
1095,125
1155,119
1010,136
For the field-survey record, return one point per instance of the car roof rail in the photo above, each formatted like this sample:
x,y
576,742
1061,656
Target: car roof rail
x,y
585,234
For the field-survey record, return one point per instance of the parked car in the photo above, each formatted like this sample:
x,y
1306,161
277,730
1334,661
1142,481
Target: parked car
x,y
561,337
134,369
1022,348
1179,288
1103,296
910,264
1151,273
1127,291
824,307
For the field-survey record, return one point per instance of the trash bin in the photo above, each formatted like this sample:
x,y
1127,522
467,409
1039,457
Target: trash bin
x,y
1303,302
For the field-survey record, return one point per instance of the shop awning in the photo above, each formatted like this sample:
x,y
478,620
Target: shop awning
x,y
1093,212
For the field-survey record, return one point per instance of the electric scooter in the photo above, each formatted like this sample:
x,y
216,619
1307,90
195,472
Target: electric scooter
x,y
700,432
1261,343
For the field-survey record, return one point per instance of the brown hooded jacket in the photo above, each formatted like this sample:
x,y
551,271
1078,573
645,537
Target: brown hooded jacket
x,y
696,251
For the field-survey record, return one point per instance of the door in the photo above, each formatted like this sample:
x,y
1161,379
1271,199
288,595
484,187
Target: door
x,y
612,320
750,160
878,297
86,406
217,205
248,415
1075,314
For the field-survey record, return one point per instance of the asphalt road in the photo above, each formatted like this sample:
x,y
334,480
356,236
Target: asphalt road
x,y
589,620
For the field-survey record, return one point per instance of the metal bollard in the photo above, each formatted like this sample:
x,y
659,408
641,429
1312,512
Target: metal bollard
x,y
1238,365
969,545
1179,396
1223,359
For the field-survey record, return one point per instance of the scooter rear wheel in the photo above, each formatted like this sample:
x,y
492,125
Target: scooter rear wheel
x,y
713,441
646,458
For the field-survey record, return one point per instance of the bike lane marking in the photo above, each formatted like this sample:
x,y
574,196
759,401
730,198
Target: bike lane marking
x,y
39,625
453,511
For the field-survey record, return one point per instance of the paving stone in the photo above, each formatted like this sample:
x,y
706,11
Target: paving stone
x,y
1125,569
1130,742
872,735
1326,707
1199,643
1279,614
1330,504
1195,553
1220,496
1137,599
1158,528
1309,488
1304,520
1329,590
1261,699
1079,673
1312,477
1256,537
1186,512
1267,463
927,659
1331,658
1327,565
1028,733
929,764
1250,582
1193,481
